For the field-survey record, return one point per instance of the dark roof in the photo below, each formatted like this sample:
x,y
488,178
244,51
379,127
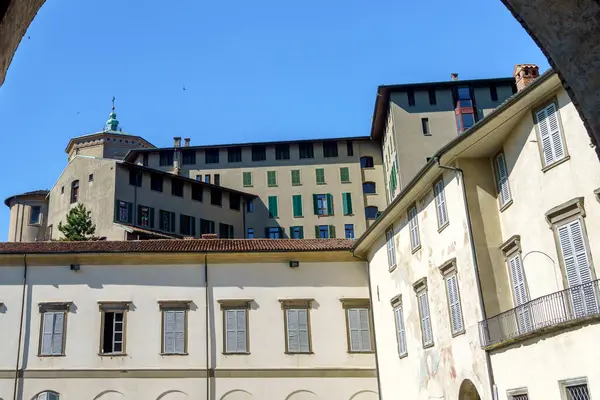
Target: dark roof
x,y
383,96
132,152
136,230
178,246
26,194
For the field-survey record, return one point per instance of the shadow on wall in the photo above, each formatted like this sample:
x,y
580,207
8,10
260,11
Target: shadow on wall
x,y
364,395
302,395
109,395
172,395
237,395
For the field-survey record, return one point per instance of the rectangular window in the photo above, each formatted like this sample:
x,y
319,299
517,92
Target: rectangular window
x,y
273,232
440,204
259,153
426,332
249,206
188,157
91,178
145,216
247,179
207,226
197,192
425,126
520,292
432,97
282,151
235,201
217,180
250,233
366,162
199,177
349,148
135,177
359,330
296,177
322,231
297,330
174,334
273,207
35,214
74,191
207,178
400,330
468,120
167,221
330,149
297,205
187,225
52,335
345,174
502,180
234,154
464,97
156,182
577,392
113,332
391,250
177,187
235,327
349,231
522,396
411,97
271,178
493,93
306,150
413,224
296,232
211,156
323,204
347,203
551,137
216,197
145,160
123,211
455,309
165,158
320,175
225,231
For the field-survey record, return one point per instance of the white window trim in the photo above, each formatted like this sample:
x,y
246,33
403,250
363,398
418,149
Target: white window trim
x,y
413,224
362,348
563,384
502,182
421,290
391,248
548,164
400,326
440,203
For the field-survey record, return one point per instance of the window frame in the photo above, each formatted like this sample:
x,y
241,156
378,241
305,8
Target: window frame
x,y
175,185
369,162
432,96
53,308
374,192
154,179
390,246
282,151
425,127
165,158
307,148
370,208
259,153
74,191
449,271
513,394
220,197
212,155
566,156
566,383
347,171
442,193
502,205
235,304
40,218
413,224
47,395
297,304
349,304
324,181
272,174
113,307
175,306
396,303
421,289
232,154
299,182
349,148
330,149
349,228
244,175
188,157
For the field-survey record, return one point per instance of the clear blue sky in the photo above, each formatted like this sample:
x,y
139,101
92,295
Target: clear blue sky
x,y
260,70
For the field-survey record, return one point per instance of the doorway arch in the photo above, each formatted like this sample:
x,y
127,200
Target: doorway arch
x,y
468,391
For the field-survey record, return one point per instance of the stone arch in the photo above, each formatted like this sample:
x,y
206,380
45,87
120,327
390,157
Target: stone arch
x,y
172,395
109,395
468,391
302,395
364,395
236,394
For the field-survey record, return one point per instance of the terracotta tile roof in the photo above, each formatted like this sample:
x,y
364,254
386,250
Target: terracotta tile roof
x,y
179,246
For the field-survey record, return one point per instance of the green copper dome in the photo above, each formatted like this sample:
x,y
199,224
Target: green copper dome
x,y
112,124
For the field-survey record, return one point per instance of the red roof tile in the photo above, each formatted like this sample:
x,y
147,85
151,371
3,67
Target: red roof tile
x,y
179,246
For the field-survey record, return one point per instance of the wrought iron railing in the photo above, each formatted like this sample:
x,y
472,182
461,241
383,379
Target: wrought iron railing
x,y
557,308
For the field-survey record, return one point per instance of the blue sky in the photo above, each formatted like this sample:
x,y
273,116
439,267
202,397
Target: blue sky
x,y
262,70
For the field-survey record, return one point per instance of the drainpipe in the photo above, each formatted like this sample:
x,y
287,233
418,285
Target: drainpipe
x,y
16,380
206,299
22,216
475,267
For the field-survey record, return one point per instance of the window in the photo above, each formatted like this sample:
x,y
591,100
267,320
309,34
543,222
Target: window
x,y
423,303
247,179
400,329
250,233
145,160
440,204
74,191
349,231
273,207
347,203
47,396
411,97
391,250
174,327
211,156
156,182
217,180
206,226
234,201
520,292
62,190
502,180
199,177
297,325
35,213
305,150
577,392
371,212
271,178
448,270
225,231
464,97
177,187
296,232
432,97
52,329
273,233
358,325
425,126
413,224
282,151
145,216
551,137
123,211
187,225
165,158
234,154
519,394
296,177
345,174
235,326
325,231
91,178
366,162
188,157
207,178
135,177
167,221
330,149
468,120
349,148
216,197
369,188
197,192
323,204
259,153
320,175
297,205
112,340
493,93
249,206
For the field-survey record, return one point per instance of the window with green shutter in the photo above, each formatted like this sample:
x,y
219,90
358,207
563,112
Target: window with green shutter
x,y
296,232
320,172
271,178
247,179
345,175
331,231
347,203
296,177
273,212
329,204
297,205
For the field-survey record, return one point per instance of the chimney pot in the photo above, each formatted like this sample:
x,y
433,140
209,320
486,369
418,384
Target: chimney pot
x,y
454,76
525,74
186,142
177,141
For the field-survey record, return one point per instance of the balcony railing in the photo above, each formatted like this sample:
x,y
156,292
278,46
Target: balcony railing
x,y
564,307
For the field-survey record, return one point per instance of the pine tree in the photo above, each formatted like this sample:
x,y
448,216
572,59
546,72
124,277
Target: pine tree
x,y
79,225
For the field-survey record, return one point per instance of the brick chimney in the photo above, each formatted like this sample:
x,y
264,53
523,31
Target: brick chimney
x,y
176,141
454,76
525,74
186,142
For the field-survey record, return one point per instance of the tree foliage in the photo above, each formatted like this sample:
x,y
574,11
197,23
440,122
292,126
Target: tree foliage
x,y
79,225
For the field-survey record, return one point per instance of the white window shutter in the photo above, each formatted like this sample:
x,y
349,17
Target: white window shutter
x,y
440,202
169,334
414,228
523,313
425,319
354,328
552,143
292,331
454,300
179,331
365,331
241,330
231,331
303,330
47,330
502,176
401,332
57,337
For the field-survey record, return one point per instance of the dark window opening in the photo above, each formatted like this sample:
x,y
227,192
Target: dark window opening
x,y
366,162
216,197
225,231
207,226
74,191
144,216
211,156
349,231
207,178
112,336
282,151
259,153
371,212
494,93
217,179
165,158
330,149
432,97
369,187
250,234
464,97
167,221
425,126
145,159
411,97
199,177
187,225
188,157
34,215
197,192
249,206
135,177
234,154
306,150
177,187
91,178
156,182
234,201
273,233
323,231
350,148
468,120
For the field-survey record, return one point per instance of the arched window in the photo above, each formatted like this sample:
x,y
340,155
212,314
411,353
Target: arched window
x,y
366,162
47,396
371,212
74,191
369,187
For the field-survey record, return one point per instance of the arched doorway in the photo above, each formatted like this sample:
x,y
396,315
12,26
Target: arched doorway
x,y
468,391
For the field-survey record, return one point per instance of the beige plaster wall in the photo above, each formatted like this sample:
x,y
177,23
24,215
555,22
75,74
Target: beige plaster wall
x,y
19,228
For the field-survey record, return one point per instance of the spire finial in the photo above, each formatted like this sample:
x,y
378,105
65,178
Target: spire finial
x,y
113,103
112,124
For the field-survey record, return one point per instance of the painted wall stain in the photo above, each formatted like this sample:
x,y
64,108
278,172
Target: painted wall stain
x,y
429,366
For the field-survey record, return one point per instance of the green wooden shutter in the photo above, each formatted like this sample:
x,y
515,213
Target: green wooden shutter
x,y
344,174
295,177
331,231
320,174
316,231
273,212
347,203
315,204
301,232
329,204
130,213
297,205
151,218
247,179
271,178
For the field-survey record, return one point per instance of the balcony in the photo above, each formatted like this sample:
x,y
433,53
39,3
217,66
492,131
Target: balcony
x,y
553,311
